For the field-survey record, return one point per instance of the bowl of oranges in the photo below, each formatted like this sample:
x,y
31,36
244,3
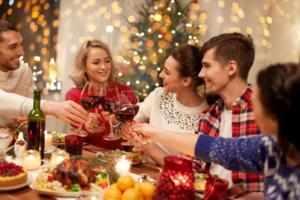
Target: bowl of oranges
x,y
127,189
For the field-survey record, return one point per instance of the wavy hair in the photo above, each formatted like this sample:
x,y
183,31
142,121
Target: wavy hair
x,y
78,76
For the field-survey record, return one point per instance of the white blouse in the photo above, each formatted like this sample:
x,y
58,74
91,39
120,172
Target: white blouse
x,y
164,111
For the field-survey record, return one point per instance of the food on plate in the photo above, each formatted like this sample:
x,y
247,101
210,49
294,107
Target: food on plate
x,y
71,171
126,188
72,175
200,181
59,136
12,174
135,157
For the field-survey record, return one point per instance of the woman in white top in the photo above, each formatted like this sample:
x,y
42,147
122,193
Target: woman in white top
x,y
178,105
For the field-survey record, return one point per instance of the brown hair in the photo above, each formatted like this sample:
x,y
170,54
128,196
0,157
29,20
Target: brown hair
x,y
78,76
233,46
280,96
189,60
6,25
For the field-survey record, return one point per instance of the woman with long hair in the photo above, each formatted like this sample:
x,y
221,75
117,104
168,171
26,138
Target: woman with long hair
x,y
94,63
177,105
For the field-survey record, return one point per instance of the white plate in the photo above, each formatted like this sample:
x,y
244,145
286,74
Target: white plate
x,y
6,189
63,194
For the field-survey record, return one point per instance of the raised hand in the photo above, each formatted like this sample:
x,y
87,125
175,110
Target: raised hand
x,y
94,123
67,111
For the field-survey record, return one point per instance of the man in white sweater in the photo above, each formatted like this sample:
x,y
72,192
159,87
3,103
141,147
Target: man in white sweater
x,y
16,84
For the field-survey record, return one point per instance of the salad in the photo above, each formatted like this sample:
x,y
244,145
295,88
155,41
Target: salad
x,y
60,137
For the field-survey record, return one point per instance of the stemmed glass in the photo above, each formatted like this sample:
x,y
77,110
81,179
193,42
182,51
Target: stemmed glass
x,y
88,104
111,101
124,112
97,92
133,97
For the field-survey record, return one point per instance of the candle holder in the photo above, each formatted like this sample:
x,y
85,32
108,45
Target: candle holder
x,y
58,156
123,164
176,180
50,144
31,160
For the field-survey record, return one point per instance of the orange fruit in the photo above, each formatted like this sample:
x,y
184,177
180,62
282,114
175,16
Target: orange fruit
x,y
147,189
125,182
114,186
132,194
112,193
137,186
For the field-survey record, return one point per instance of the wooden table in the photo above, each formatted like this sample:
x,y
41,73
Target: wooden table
x,y
27,193
153,171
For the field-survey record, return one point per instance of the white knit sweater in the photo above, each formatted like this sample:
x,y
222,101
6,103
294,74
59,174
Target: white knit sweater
x,y
16,93
164,111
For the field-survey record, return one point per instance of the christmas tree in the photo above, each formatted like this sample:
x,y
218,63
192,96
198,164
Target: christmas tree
x,y
162,25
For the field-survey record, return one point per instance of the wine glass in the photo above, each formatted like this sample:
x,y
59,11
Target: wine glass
x,y
97,92
133,98
124,112
111,101
88,104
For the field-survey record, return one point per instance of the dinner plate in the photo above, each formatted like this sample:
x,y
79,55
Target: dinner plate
x,y
6,189
65,194
101,154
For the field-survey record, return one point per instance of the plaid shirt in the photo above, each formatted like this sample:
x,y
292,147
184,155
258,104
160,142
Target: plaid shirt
x,y
243,125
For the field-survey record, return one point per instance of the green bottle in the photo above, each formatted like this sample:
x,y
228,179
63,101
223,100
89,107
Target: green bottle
x,y
36,126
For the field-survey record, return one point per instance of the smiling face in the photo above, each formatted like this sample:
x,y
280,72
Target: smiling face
x,y
98,65
214,75
170,76
11,49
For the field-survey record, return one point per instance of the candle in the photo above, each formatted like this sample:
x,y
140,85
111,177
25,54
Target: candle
x,y
58,156
123,167
48,141
31,160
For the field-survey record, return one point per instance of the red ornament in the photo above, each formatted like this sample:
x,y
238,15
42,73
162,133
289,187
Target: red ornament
x,y
150,2
167,3
195,1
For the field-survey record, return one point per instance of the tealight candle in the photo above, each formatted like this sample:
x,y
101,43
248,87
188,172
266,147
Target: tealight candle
x,y
124,165
31,160
48,141
58,156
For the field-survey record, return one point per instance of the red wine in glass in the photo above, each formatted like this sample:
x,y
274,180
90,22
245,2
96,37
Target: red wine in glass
x,y
107,105
136,109
98,99
125,115
87,104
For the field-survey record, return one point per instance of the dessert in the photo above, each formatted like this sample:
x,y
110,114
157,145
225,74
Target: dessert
x,y
71,171
12,174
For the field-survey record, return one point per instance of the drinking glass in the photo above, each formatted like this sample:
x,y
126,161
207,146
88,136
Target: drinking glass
x,y
73,144
111,101
133,98
88,104
97,92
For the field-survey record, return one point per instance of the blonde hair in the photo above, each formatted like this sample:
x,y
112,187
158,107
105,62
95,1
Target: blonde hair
x,y
78,76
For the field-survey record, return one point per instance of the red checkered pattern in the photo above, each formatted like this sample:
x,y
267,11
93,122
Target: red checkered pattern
x,y
243,125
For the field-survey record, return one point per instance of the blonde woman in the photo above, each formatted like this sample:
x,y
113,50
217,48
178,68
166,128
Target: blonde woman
x,y
94,62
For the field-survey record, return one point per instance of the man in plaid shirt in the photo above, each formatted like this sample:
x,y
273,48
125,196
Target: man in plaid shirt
x,y
227,60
